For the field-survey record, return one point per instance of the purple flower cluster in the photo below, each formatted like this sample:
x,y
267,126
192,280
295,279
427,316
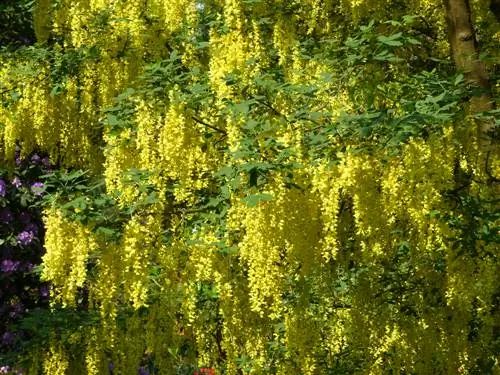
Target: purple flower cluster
x,y
34,160
20,251
9,265
37,188
28,234
25,238
3,188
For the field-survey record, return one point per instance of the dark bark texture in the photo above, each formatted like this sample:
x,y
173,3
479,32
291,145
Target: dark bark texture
x,y
464,49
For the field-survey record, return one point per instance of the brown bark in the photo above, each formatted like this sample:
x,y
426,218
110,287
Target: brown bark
x,y
464,50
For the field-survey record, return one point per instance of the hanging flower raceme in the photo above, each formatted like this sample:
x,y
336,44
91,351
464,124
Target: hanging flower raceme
x,y
66,269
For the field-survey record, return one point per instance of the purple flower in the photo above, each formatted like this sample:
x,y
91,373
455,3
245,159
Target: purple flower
x,y
25,238
35,158
5,216
4,369
18,161
111,367
9,265
3,188
143,371
37,188
46,162
44,292
17,182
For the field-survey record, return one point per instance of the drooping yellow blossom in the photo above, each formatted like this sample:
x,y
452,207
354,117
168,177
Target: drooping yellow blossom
x,y
66,270
55,361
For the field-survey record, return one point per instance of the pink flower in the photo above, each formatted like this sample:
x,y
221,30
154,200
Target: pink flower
x,y
205,371
17,182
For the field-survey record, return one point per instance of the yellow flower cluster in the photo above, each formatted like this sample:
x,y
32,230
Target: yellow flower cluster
x,y
181,149
95,361
55,361
139,243
66,270
281,236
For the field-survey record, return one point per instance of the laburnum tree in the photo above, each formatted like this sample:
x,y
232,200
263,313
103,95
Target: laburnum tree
x,y
264,187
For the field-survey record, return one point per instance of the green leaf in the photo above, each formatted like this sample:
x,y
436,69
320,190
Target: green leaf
x,y
254,199
391,40
227,171
435,213
151,199
408,19
413,41
385,55
326,77
113,120
365,131
202,45
242,107
124,95
105,231
56,90
459,79
251,124
15,95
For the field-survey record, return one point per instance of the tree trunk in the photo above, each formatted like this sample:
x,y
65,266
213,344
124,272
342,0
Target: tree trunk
x,y
464,50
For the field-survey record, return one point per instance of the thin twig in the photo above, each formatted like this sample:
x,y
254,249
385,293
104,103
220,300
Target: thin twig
x,y
201,122
5,91
268,105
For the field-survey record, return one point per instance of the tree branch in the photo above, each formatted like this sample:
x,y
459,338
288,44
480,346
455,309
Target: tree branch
x,y
201,122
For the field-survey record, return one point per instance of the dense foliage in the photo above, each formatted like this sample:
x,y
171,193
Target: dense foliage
x,y
252,186
21,239
17,25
